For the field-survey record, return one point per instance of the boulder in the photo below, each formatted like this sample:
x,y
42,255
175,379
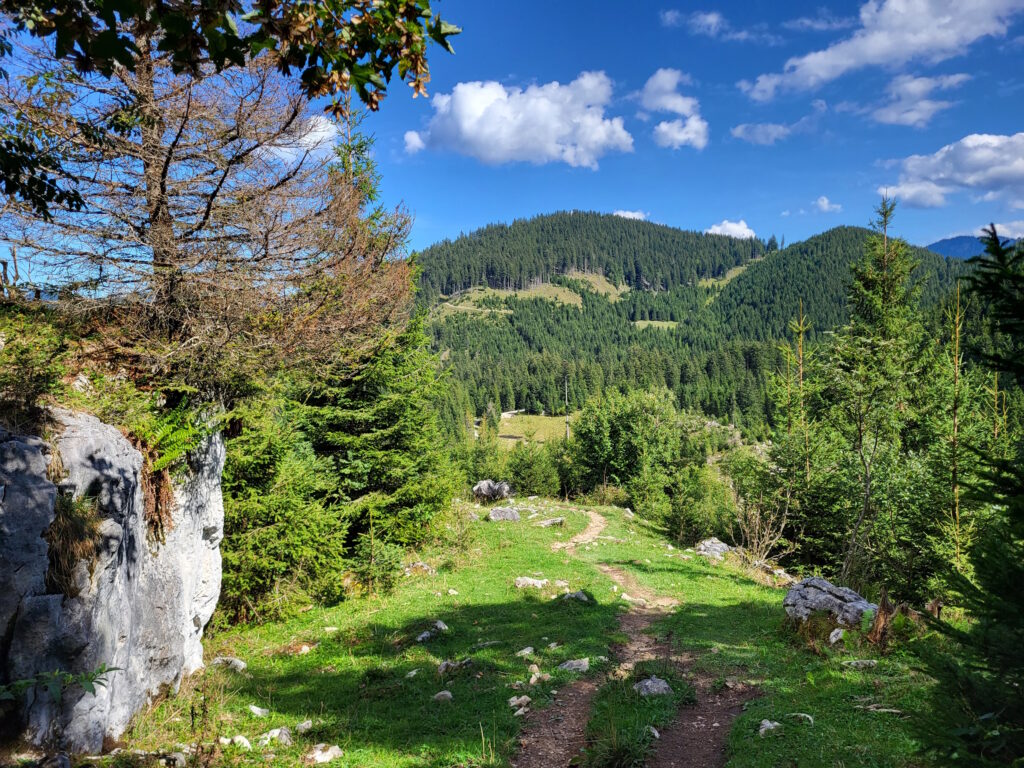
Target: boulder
x,y
503,515
488,490
140,604
818,594
524,582
653,686
713,549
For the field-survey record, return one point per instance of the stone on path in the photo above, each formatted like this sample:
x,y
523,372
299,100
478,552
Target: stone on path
x,y
575,665
519,701
818,594
653,686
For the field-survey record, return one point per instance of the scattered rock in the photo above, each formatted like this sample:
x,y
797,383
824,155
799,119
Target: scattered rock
x,y
802,715
580,595
306,648
322,753
232,663
503,515
439,626
488,490
176,759
420,567
713,548
281,735
453,592
560,583
522,582
241,742
836,635
551,521
525,651
452,666
629,513
860,664
519,701
443,696
304,727
258,711
520,712
575,665
653,731
653,686
818,594
330,630
766,726
411,673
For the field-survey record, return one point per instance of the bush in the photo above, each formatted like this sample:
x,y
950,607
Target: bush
x,y
32,354
702,505
377,564
532,470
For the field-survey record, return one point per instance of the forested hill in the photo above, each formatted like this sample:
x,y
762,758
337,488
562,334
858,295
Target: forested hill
x,y
637,254
761,301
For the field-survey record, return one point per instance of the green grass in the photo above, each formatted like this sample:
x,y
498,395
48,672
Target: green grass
x,y
524,426
600,284
354,682
662,325
721,282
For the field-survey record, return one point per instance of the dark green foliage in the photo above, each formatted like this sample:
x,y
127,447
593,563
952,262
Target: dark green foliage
x,y
33,350
532,469
377,564
702,506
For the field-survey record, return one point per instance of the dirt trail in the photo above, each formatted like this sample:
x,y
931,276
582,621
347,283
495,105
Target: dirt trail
x,y
552,737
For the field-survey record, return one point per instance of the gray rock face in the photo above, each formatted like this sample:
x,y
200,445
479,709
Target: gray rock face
x,y
140,606
503,515
488,490
817,594
712,548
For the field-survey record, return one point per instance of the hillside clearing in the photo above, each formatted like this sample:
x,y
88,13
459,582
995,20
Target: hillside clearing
x,y
661,325
358,673
600,284
524,426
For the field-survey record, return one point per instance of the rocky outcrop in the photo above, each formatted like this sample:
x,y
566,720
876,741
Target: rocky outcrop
x,y
713,549
488,490
817,594
140,604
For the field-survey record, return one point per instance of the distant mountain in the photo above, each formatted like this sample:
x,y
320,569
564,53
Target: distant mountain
x,y
961,247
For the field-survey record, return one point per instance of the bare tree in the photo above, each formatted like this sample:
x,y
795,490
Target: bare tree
x,y
218,236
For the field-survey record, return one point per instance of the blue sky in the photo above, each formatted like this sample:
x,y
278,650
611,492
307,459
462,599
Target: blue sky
x,y
789,117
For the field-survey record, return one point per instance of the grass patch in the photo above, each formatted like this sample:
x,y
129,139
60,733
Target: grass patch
x,y
619,731
663,325
73,539
600,284
524,426
724,280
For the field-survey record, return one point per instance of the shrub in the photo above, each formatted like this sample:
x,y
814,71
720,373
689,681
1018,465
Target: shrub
x,y
377,564
702,505
532,470
32,356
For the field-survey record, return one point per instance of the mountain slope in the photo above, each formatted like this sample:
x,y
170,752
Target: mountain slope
x,y
960,247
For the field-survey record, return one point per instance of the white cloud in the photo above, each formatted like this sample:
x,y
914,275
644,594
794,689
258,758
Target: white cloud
x,y
823,22
315,137
714,25
539,124
785,213
1011,229
765,134
661,94
908,99
732,229
986,164
672,18
892,33
414,142
825,205
638,215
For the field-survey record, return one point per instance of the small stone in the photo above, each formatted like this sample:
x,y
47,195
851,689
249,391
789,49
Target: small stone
x,y
519,701
177,759
440,626
411,673
860,664
304,727
452,592
653,731
766,726
231,662
653,686
330,630
836,635
241,741
503,515
322,753
581,596
520,712
258,711
443,696
420,567
305,648
281,735
223,741
575,665
552,646
422,637
523,582
551,521
525,651
560,583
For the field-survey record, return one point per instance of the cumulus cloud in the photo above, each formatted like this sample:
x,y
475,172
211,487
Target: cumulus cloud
x,y
732,229
672,18
538,124
825,205
988,165
661,94
637,215
892,33
1012,229
909,102
714,25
